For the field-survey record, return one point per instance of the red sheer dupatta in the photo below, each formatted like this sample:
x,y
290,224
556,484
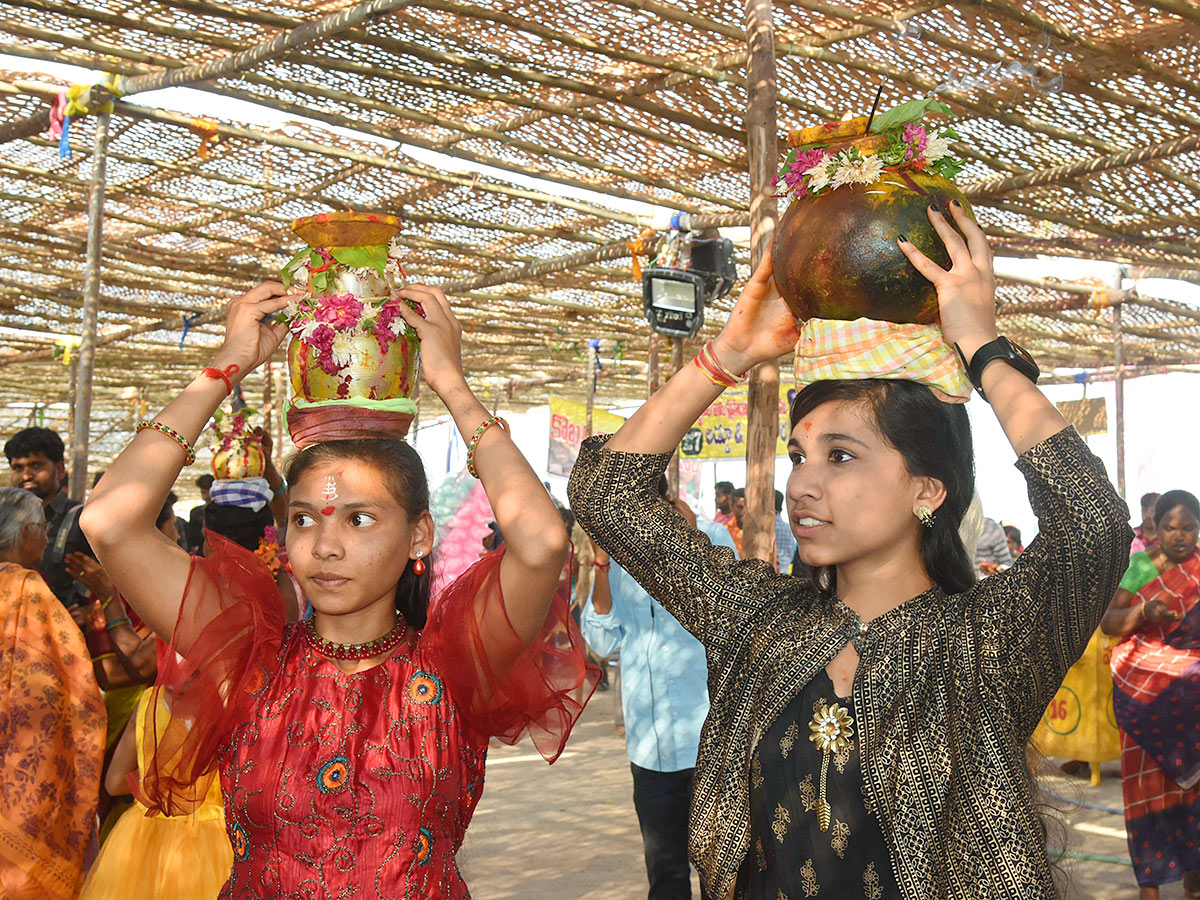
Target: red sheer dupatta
x,y
223,651
503,688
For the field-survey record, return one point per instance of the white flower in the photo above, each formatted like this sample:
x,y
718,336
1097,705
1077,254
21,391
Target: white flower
x,y
863,170
304,328
343,349
936,147
300,276
395,251
817,178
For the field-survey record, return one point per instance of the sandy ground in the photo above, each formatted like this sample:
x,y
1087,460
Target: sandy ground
x,y
569,832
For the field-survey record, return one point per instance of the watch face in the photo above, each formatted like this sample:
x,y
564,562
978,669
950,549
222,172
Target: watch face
x,y
1022,352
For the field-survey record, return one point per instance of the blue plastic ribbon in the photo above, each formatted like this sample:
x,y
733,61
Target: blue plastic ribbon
x,y
188,322
64,139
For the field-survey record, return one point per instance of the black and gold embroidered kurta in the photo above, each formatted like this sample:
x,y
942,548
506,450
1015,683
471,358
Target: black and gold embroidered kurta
x,y
791,857
948,688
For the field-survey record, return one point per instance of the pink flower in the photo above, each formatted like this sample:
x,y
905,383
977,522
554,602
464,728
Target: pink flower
x,y
342,311
389,312
805,160
321,340
915,137
239,422
270,535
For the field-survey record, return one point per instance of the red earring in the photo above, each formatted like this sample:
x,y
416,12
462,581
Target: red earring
x,y
418,565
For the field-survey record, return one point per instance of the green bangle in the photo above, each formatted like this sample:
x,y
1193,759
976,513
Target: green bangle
x,y
104,603
115,622
282,489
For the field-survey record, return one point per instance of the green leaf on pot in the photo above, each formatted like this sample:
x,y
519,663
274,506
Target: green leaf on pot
x,y
362,257
907,113
290,267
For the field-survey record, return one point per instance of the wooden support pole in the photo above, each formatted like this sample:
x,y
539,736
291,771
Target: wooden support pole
x,y
763,413
1119,366
590,375
1073,172
277,46
91,307
652,368
673,468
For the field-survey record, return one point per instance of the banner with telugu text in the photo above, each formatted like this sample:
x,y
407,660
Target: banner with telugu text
x,y
568,425
720,433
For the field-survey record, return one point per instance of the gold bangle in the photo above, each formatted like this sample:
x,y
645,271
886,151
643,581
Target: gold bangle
x,y
155,425
473,445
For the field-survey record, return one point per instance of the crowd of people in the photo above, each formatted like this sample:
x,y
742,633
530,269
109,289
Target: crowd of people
x,y
271,699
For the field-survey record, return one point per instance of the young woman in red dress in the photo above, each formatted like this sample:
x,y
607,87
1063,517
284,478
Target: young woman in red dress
x,y
350,748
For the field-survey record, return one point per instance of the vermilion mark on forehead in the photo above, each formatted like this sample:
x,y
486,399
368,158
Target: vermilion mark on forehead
x,y
808,426
327,511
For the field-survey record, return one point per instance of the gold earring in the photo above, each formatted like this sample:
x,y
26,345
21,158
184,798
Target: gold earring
x,y
925,514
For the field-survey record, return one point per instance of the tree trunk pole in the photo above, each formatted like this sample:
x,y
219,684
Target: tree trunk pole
x,y
673,469
1119,367
763,416
652,370
590,375
91,308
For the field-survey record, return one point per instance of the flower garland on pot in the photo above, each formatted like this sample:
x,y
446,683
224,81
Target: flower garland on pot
x,y
337,323
896,140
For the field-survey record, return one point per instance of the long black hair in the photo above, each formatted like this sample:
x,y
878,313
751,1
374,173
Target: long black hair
x,y
935,440
404,475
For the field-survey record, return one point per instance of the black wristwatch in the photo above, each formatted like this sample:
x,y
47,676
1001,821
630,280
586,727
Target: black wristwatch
x,y
1003,349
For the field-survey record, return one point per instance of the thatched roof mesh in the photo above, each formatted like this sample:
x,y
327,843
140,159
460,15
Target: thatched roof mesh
x,y
633,99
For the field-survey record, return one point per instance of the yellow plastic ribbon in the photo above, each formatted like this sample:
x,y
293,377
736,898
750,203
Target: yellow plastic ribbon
x,y
68,344
637,248
206,130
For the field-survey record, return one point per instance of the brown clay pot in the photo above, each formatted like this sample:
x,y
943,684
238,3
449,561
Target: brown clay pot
x,y
836,255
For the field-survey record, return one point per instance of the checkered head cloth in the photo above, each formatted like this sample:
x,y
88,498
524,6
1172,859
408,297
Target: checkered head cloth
x,y
836,350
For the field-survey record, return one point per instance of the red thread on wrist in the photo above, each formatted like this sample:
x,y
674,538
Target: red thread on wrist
x,y
222,375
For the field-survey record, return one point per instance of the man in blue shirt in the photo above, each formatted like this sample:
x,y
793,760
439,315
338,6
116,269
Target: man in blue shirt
x,y
785,541
664,696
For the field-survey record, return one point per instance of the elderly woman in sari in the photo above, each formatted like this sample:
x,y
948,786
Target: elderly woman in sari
x,y
51,720
1156,697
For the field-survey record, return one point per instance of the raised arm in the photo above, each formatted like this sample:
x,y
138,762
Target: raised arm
x,y
1036,618
535,536
967,306
149,569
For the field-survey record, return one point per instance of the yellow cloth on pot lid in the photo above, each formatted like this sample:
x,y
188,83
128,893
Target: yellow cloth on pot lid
x,y
836,350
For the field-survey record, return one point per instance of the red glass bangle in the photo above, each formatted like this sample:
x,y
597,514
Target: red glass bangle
x,y
222,375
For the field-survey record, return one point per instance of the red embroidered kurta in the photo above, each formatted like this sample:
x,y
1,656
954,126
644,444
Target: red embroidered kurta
x,y
354,785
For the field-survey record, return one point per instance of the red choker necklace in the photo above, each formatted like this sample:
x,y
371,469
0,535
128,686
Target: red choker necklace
x,y
371,649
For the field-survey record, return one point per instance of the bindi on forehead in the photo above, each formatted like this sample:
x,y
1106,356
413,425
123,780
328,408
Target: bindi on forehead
x,y
329,494
808,427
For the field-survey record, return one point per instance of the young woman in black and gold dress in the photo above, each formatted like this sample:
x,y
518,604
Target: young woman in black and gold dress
x,y
868,729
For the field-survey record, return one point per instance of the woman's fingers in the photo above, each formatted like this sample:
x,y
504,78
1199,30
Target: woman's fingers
x,y
977,242
921,262
955,245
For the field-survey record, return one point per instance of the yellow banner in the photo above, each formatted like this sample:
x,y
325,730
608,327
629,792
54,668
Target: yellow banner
x,y
720,432
1079,722
568,427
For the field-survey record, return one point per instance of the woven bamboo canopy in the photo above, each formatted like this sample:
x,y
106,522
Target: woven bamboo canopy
x,y
1080,125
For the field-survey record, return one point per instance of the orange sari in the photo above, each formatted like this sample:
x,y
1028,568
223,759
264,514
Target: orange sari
x,y
52,725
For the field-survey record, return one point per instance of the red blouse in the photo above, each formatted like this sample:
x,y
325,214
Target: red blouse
x,y
358,784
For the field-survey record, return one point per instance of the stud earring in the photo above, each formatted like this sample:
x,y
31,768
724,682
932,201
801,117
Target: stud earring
x,y
925,514
419,564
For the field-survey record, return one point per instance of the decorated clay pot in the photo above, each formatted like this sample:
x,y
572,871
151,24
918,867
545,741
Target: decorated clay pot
x,y
243,458
369,374
352,360
836,255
